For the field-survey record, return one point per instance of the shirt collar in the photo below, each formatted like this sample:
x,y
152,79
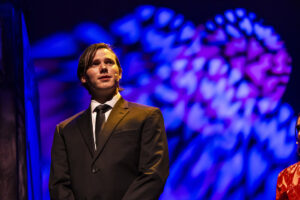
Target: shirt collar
x,y
111,102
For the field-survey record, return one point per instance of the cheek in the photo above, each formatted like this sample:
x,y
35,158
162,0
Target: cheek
x,y
116,70
90,74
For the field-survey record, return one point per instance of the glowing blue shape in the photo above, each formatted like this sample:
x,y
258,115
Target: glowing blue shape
x,y
234,32
90,33
187,31
45,177
257,167
221,86
174,116
194,47
249,106
240,12
252,16
219,19
179,65
177,166
55,46
237,127
230,171
229,94
143,79
234,76
133,65
243,90
281,148
198,64
234,108
210,26
285,113
165,94
145,12
214,66
127,90
163,17
230,16
224,69
164,71
246,25
129,28
262,32
203,163
207,88
263,105
291,127
272,42
177,21
196,114
264,129
189,82
222,107
167,52
144,99
152,39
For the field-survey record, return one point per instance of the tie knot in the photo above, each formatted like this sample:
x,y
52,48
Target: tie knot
x,y
102,108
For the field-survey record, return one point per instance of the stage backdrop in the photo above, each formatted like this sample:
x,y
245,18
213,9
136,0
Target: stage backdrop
x,y
219,85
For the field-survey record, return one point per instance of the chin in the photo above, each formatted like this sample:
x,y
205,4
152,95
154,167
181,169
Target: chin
x,y
107,88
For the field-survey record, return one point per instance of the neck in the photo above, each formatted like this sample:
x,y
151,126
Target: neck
x,y
104,96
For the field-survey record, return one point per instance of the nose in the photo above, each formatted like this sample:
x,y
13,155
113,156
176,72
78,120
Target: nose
x,y
103,68
102,65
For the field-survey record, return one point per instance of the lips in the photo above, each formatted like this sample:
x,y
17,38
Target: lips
x,y
104,77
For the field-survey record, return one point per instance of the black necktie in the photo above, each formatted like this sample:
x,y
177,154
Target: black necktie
x,y
100,118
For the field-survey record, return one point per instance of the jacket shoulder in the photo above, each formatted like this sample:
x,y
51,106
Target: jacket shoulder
x,y
69,120
142,107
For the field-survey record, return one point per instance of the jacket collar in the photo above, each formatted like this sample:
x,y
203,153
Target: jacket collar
x,y
117,114
85,125
86,131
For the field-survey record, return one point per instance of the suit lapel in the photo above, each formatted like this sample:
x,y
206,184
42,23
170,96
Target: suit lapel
x,y
117,114
85,126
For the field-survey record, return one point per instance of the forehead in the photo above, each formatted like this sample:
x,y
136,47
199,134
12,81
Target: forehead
x,y
104,53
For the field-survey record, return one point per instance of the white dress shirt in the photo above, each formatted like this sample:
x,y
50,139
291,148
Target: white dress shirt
x,y
94,104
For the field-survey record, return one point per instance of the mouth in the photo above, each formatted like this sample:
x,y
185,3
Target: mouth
x,y
105,77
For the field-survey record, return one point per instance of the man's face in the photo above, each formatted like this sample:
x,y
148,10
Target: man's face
x,y
103,75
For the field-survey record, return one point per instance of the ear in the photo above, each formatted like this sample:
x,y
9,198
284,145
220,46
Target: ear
x,y
120,74
83,79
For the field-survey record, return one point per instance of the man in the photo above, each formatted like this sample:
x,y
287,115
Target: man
x,y
120,153
288,182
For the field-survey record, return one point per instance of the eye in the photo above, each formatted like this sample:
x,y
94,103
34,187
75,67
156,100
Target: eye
x,y
95,62
109,61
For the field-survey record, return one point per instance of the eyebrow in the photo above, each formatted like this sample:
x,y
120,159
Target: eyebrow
x,y
108,59
104,58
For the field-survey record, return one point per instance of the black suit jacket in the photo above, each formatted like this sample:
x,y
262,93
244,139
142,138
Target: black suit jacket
x,y
131,162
